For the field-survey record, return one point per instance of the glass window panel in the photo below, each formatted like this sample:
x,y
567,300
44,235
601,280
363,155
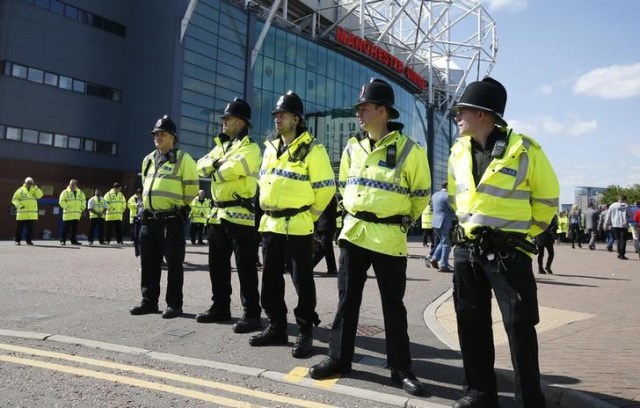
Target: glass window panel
x,y
78,86
5,68
278,77
30,136
301,82
267,78
50,79
301,51
19,71
45,138
269,45
89,145
116,95
92,89
1,131
60,140
84,17
57,7
199,73
114,148
42,3
200,60
281,45
71,12
201,47
35,75
103,147
257,73
65,82
13,133
74,142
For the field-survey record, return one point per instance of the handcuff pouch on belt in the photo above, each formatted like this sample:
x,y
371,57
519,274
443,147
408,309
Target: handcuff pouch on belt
x,y
404,221
246,203
148,215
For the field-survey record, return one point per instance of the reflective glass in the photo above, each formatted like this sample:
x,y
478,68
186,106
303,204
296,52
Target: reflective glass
x,y
78,86
35,75
60,140
29,136
50,79
45,138
65,82
19,71
74,142
88,145
13,133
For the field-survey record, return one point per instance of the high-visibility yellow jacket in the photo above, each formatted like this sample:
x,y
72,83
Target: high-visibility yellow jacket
x,y
72,204
427,218
237,177
99,205
369,184
132,205
26,202
199,210
339,214
563,224
170,186
518,192
116,205
291,182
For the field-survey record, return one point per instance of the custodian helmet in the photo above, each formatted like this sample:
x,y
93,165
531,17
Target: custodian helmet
x,y
165,124
290,102
379,92
487,95
239,108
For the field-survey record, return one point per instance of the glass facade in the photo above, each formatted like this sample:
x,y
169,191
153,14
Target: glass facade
x,y
329,83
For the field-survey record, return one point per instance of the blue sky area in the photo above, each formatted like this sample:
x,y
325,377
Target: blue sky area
x,y
572,73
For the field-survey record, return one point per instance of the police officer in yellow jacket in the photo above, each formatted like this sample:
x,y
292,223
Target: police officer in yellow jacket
x,y
73,202
385,184
116,204
503,190
25,199
233,166
296,184
199,216
170,181
96,206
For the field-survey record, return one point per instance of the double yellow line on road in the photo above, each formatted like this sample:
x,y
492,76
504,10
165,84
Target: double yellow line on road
x,y
185,392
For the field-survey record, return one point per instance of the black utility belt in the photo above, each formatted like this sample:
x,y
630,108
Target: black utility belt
x,y
495,240
160,215
226,204
287,212
371,217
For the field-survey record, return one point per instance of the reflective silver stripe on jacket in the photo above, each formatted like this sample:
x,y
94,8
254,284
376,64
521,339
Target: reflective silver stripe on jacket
x,y
490,221
503,192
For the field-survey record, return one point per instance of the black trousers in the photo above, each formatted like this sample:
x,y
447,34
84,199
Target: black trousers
x,y
22,225
117,225
195,231
391,275
69,229
96,224
158,239
620,235
135,235
516,293
276,248
549,247
227,238
326,251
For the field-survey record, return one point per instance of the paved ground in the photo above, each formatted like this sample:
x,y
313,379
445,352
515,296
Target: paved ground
x,y
589,330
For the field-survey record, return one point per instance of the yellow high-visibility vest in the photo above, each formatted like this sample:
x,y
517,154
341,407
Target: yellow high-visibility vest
x,y
26,202
72,204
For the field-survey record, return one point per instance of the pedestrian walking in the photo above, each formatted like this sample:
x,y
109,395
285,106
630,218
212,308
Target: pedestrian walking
x,y
97,207
443,217
170,180
199,216
116,204
136,208
617,221
545,241
296,184
576,226
25,199
503,188
233,166
591,219
385,185
73,202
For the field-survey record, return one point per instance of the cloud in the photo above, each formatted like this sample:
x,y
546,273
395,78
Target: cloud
x,y
614,82
510,5
544,89
634,149
541,125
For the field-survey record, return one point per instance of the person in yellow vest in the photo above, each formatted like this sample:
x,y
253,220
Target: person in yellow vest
x,y
170,180
385,184
503,190
563,226
426,220
73,202
134,205
296,184
116,204
25,199
233,166
199,215
97,207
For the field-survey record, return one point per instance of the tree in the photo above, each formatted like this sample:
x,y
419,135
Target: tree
x,y
610,195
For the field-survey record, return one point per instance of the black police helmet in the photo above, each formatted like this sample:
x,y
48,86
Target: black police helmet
x,y
165,124
239,108
290,102
487,95
379,92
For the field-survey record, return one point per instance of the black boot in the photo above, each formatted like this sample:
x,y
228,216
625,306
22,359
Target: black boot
x,y
275,333
328,367
303,346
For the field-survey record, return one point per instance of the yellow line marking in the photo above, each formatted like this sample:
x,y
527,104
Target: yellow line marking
x,y
297,374
129,381
327,383
166,375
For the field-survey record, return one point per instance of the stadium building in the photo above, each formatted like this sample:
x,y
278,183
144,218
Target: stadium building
x,y
82,82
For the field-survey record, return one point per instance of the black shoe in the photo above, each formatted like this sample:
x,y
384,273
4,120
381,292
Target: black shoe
x,y
201,243
328,367
29,243
171,312
610,249
63,243
549,271
17,242
144,308
474,402
623,257
408,381
212,316
76,243
540,270
270,336
247,325
303,347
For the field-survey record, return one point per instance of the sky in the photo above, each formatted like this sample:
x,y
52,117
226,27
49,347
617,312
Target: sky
x,y
572,73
